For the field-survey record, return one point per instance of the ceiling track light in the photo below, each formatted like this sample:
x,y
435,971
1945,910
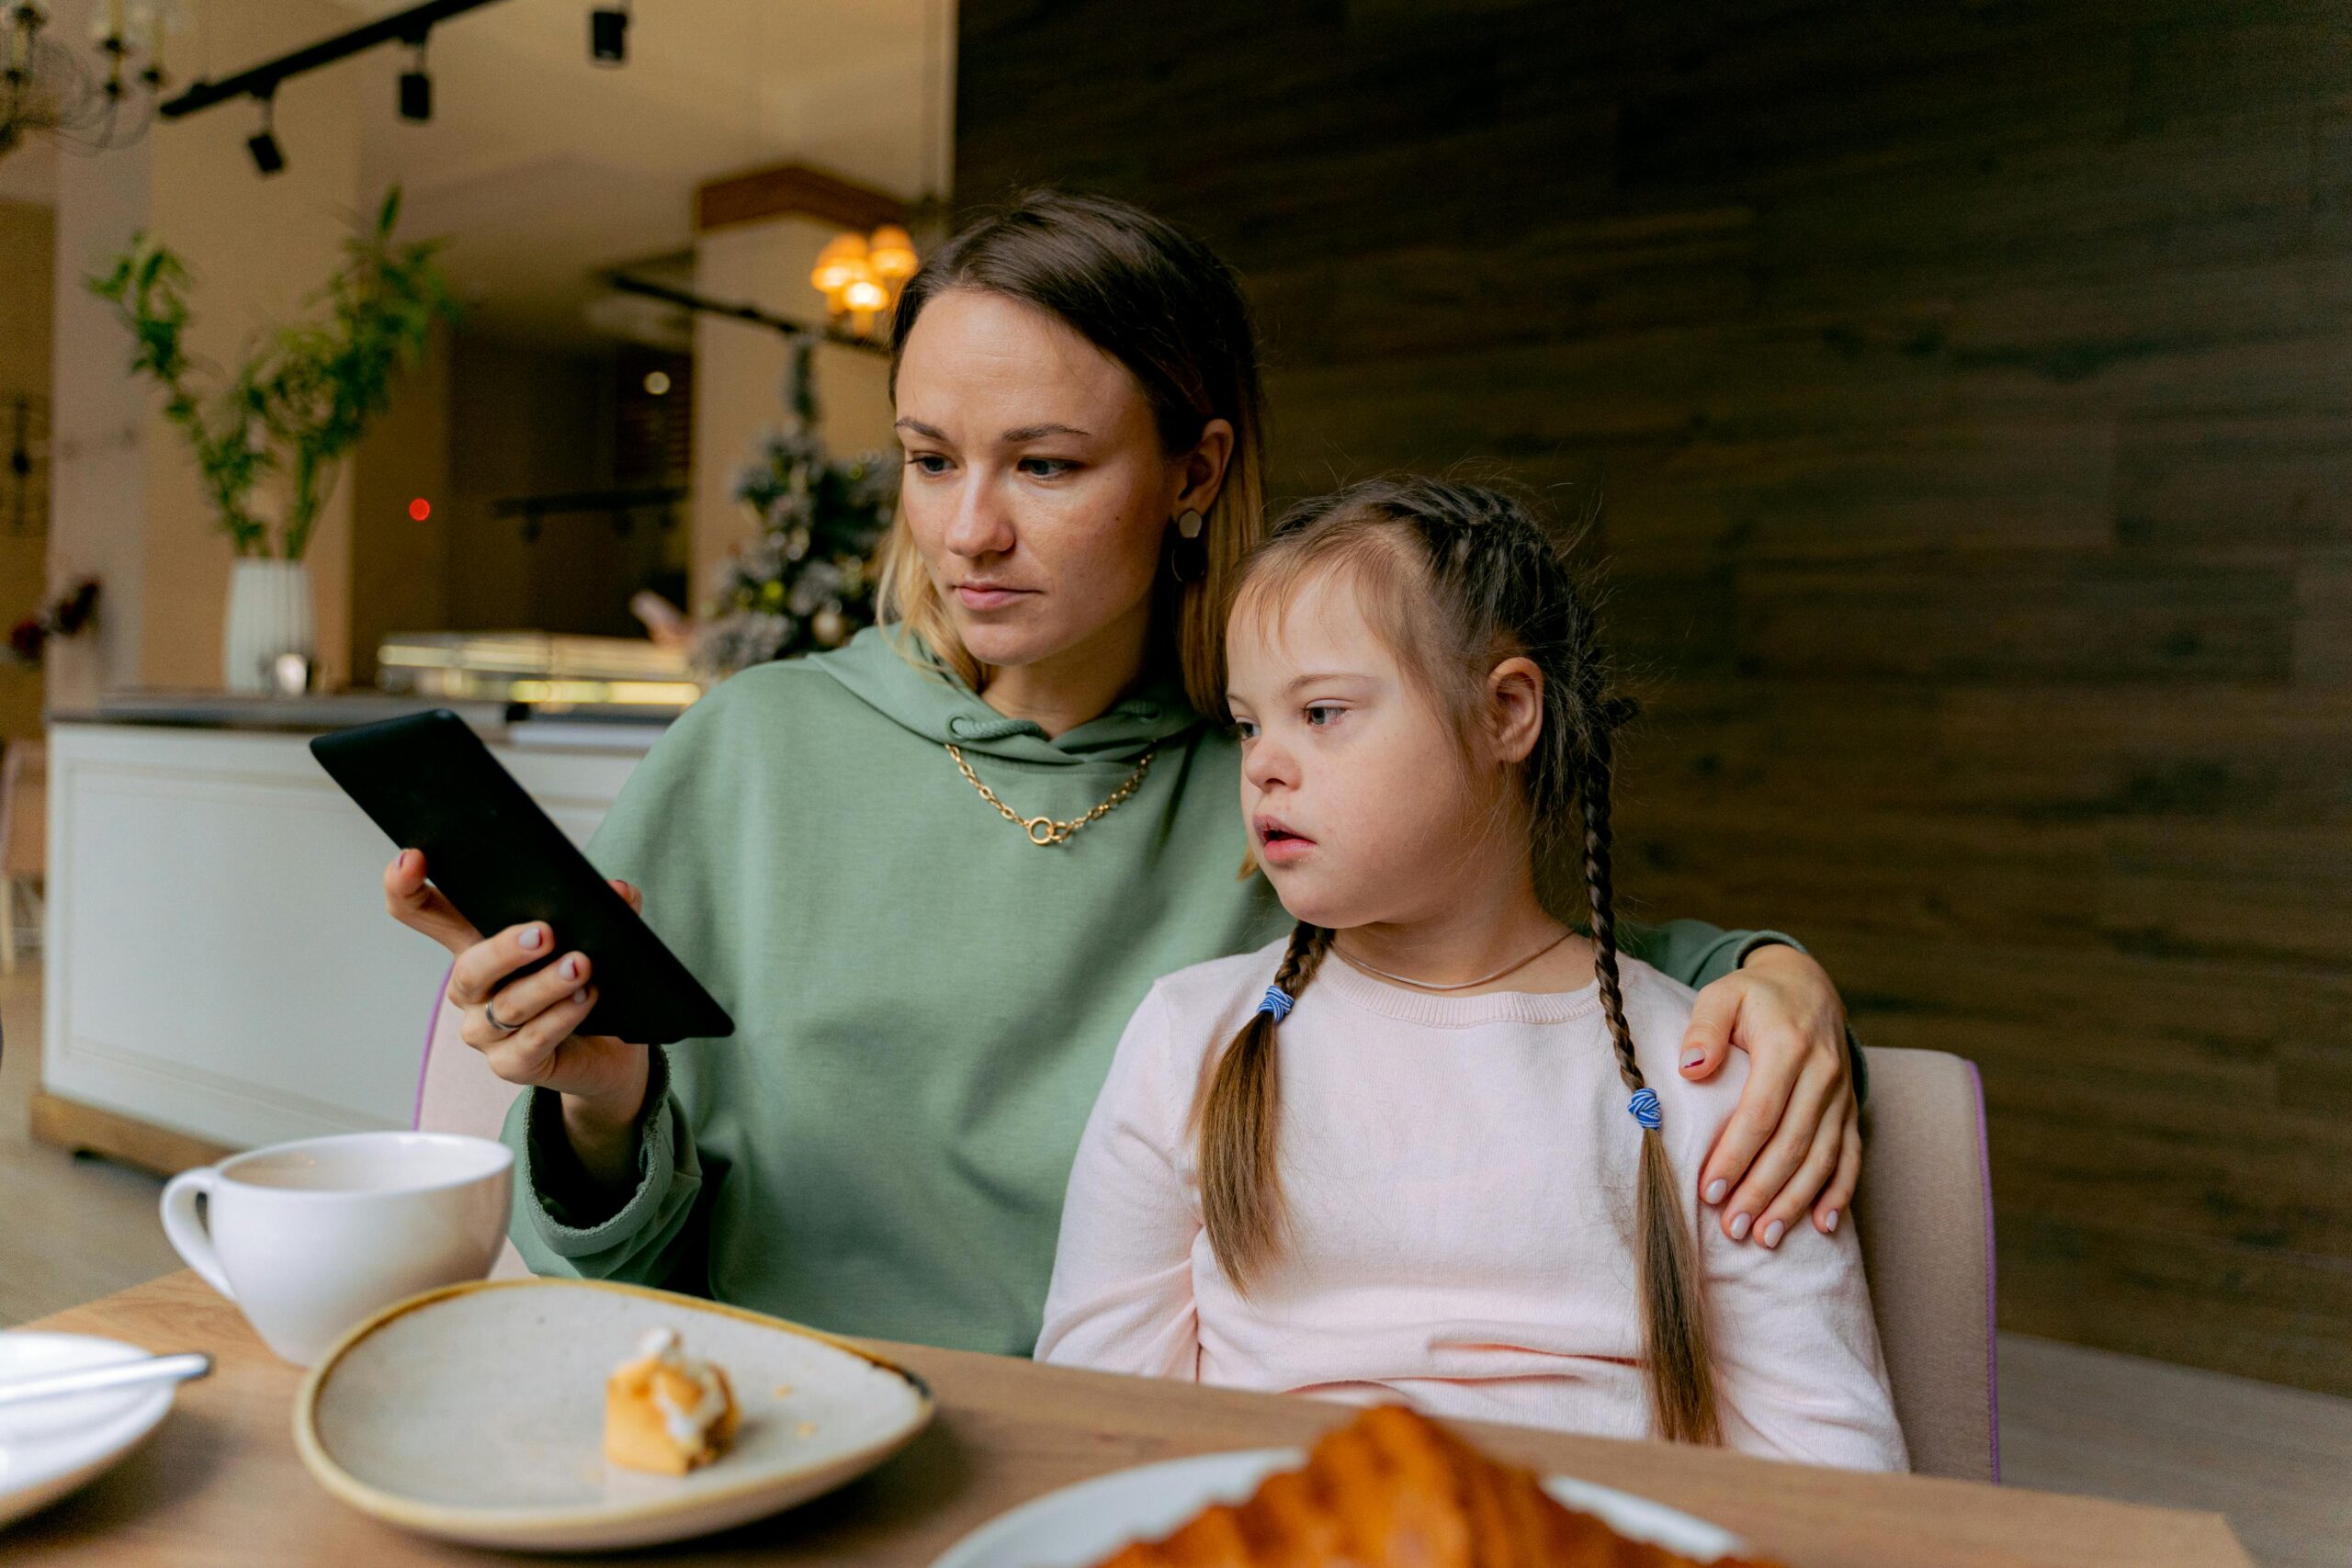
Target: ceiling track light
x,y
608,34
410,26
269,158
416,86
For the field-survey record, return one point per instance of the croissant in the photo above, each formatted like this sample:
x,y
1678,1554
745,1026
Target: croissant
x,y
1395,1490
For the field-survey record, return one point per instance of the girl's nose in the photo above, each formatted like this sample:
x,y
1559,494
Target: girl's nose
x,y
1266,763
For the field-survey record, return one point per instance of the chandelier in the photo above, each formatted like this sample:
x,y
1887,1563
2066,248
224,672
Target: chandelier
x,y
860,275
102,101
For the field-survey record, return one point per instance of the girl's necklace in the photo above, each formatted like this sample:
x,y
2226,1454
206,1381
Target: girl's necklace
x,y
1466,985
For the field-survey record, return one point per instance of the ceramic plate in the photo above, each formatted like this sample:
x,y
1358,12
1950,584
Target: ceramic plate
x,y
1084,1524
477,1414
49,1448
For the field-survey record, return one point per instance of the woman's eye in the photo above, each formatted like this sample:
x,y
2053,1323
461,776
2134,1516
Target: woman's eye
x,y
927,462
1045,467
1244,729
1322,714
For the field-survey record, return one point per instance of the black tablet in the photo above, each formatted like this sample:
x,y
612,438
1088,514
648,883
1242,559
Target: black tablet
x,y
431,784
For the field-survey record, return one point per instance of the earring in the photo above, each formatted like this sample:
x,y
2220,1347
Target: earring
x,y
1188,556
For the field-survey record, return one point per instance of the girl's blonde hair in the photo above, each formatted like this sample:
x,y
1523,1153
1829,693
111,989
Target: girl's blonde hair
x,y
1457,578
1160,303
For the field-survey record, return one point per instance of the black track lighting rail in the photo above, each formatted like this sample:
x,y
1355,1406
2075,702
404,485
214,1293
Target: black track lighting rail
x,y
260,80
785,326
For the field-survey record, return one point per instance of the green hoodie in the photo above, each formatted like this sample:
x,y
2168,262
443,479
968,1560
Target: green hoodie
x,y
925,1003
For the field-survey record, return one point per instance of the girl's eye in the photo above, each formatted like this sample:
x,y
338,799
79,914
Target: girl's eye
x,y
1322,714
1245,730
927,462
1045,467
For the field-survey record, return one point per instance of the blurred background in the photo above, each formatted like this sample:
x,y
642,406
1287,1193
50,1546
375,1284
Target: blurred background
x,y
1963,392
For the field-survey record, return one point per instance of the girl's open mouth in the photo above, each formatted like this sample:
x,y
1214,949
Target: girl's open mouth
x,y
1277,845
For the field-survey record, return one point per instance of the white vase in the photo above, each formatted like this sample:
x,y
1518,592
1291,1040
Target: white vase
x,y
269,614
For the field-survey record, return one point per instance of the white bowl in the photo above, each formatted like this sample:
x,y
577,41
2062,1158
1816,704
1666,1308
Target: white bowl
x,y
476,1414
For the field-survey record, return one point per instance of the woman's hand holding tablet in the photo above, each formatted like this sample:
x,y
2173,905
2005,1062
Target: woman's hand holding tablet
x,y
574,987
524,1027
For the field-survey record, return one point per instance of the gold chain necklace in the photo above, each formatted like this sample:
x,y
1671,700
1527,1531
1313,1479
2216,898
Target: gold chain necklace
x,y
1045,831
1459,985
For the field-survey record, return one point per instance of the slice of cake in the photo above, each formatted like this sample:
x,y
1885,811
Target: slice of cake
x,y
1393,1489
666,1411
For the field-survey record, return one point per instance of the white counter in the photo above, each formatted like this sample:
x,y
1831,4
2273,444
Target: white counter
x,y
218,959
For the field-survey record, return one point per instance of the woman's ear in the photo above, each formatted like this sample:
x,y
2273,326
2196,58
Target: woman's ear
x,y
1515,708
1203,469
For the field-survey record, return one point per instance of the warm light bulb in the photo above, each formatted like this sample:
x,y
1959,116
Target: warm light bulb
x,y
840,262
865,294
892,252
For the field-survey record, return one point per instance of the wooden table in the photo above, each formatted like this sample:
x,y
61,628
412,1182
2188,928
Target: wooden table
x,y
220,1483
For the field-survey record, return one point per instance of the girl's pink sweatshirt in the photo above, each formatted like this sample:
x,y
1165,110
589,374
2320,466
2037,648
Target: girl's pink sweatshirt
x,y
1459,1173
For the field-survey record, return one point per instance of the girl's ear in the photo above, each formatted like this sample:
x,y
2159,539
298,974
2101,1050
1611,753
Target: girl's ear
x,y
1515,708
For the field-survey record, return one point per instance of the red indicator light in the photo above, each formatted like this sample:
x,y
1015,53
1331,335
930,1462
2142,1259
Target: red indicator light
x,y
420,509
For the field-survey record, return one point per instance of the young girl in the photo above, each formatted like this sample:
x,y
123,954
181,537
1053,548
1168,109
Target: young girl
x,y
1433,1147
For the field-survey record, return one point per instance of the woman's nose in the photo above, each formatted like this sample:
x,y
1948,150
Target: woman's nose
x,y
982,526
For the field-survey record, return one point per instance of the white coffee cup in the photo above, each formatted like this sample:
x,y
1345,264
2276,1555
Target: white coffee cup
x,y
307,1238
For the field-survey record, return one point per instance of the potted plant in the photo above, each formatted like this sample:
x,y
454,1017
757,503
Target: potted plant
x,y
269,436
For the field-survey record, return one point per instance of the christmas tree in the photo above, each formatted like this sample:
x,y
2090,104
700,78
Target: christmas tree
x,y
807,582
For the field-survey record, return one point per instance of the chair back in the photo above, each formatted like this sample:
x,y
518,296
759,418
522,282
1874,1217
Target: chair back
x,y
1925,1211
456,1092
23,808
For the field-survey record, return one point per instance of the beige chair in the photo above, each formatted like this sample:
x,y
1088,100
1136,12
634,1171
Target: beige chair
x,y
456,1092
1926,1211
24,834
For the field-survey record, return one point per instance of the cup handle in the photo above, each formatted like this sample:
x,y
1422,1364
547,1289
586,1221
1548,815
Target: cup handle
x,y
186,1233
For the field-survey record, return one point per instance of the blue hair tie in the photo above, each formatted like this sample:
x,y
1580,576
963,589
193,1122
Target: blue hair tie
x,y
1277,1001
1643,1107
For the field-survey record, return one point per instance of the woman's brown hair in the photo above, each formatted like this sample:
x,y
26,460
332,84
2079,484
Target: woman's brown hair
x,y
1160,303
1459,578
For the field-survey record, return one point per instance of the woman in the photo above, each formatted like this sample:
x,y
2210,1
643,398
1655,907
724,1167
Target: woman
x,y
931,874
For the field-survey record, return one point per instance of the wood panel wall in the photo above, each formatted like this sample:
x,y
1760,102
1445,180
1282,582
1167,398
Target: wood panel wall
x,y
1968,390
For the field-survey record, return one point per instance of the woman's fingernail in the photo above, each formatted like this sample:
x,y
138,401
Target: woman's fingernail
x,y
1829,1222
1739,1223
572,968
1773,1232
1692,1058
1716,1190
581,995
531,940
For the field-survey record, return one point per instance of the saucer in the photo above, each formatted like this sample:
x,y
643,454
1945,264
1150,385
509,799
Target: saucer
x,y
51,1446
